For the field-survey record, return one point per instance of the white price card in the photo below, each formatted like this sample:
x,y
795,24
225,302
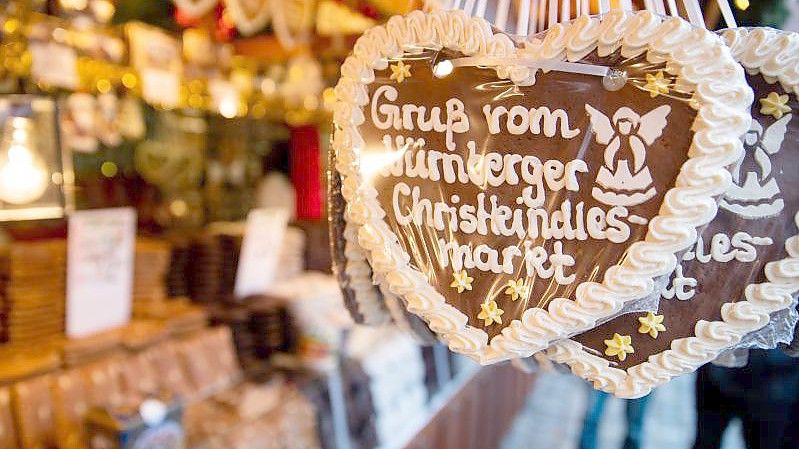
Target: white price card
x,y
54,64
260,251
100,255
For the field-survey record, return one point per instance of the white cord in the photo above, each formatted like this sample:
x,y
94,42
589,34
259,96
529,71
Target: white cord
x,y
673,8
694,13
726,13
523,18
481,8
565,12
553,13
469,7
532,16
542,15
502,14
660,8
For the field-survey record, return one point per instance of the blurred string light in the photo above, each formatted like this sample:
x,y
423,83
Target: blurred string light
x,y
109,169
743,5
24,176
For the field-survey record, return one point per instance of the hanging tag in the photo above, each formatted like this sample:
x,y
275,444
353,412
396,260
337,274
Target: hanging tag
x,y
160,87
99,270
260,251
54,64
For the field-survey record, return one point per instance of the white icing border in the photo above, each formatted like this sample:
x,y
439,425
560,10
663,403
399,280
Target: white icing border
x,y
697,56
359,280
775,54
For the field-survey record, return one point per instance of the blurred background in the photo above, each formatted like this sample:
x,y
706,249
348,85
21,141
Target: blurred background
x,y
172,121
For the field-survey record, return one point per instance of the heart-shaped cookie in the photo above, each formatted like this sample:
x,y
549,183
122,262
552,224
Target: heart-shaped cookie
x,y
509,207
745,265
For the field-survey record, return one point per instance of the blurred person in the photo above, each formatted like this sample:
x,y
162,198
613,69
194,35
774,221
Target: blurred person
x,y
762,394
636,409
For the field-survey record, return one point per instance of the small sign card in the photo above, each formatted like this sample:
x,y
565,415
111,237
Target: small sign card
x,y
161,87
54,64
260,251
99,269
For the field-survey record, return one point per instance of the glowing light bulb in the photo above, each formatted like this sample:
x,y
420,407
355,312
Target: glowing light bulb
x,y
743,5
23,173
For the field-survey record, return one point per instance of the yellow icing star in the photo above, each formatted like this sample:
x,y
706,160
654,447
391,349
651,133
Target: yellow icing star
x,y
651,324
461,281
516,289
775,105
490,313
656,84
619,346
400,71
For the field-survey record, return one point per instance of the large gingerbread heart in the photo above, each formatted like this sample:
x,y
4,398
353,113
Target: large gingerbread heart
x,y
510,207
745,265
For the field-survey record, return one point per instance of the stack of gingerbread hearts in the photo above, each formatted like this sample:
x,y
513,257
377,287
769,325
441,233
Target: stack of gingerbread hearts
x,y
520,195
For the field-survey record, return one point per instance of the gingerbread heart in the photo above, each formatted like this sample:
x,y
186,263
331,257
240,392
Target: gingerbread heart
x,y
366,302
510,206
745,265
361,297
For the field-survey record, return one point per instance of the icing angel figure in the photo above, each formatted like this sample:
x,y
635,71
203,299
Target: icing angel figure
x,y
757,194
624,179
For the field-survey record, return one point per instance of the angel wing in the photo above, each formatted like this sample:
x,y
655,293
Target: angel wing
x,y
653,123
601,125
775,134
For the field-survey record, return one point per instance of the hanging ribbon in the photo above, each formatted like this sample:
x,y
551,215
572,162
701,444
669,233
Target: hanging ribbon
x,y
306,173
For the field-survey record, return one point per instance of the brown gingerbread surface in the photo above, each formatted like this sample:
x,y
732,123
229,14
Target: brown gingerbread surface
x,y
760,207
608,149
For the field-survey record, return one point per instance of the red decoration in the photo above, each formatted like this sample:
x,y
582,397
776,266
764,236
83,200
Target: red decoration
x,y
184,20
370,11
225,29
306,172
